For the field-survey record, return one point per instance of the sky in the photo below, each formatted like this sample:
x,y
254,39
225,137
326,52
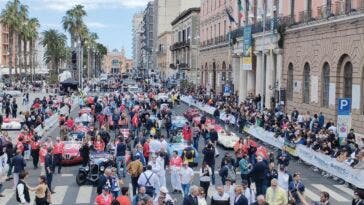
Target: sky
x,y
110,19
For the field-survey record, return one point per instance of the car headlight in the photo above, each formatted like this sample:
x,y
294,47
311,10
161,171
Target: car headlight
x,y
87,168
102,168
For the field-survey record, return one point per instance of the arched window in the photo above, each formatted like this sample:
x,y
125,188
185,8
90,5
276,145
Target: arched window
x,y
348,79
306,83
290,82
325,85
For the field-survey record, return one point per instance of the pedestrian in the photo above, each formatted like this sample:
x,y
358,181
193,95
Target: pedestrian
x,y
19,164
42,155
229,188
124,198
3,166
283,157
205,176
195,135
114,183
209,159
120,157
227,171
220,197
192,198
248,192
284,178
7,108
296,186
35,147
10,152
175,164
103,181
189,155
245,169
14,108
260,200
49,165
22,190
135,168
260,170
57,153
276,195
85,153
140,196
187,132
42,193
186,176
240,198
163,197
105,198
150,181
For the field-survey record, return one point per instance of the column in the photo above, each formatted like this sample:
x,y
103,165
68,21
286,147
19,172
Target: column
x,y
251,82
269,79
236,68
242,82
258,73
279,53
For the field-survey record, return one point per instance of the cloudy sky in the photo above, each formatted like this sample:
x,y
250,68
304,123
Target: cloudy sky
x,y
110,19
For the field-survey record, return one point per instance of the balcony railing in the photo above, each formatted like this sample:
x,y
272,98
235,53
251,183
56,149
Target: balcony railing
x,y
180,45
305,16
214,41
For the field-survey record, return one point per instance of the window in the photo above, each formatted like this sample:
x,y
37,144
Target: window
x,y
188,33
115,63
224,27
215,31
306,83
347,6
184,35
179,36
210,32
292,8
290,82
325,85
348,79
219,30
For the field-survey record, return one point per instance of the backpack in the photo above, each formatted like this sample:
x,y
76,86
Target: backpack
x,y
231,174
149,189
189,154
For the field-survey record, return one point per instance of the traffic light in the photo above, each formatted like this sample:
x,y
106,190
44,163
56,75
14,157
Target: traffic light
x,y
74,60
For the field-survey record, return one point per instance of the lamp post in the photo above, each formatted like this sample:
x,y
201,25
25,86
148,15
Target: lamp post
x,y
263,68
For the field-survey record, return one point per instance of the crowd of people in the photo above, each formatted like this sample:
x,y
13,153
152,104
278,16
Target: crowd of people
x,y
263,180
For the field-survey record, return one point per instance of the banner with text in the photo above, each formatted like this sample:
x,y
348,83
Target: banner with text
x,y
247,49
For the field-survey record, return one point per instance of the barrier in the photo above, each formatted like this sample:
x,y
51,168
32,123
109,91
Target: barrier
x,y
265,136
330,165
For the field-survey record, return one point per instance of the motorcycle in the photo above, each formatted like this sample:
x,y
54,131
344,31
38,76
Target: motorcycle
x,y
99,161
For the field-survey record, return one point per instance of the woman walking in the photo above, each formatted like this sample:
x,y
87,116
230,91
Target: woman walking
x,y
42,193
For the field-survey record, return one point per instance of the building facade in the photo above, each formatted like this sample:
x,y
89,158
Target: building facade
x,y
215,53
323,58
185,45
164,55
137,40
148,40
115,62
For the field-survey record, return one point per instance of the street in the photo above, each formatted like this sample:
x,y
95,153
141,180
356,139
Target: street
x,y
68,192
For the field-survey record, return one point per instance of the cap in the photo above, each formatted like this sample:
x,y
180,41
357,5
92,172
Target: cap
x,y
163,189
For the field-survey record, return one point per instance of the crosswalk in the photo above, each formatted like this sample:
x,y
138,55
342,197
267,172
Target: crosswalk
x,y
339,194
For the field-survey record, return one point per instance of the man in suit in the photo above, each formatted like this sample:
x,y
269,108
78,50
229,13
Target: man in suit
x,y
191,199
49,165
240,199
19,164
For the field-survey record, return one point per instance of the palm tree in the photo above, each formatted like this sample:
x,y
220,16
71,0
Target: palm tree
x,y
22,56
31,36
90,46
10,18
55,44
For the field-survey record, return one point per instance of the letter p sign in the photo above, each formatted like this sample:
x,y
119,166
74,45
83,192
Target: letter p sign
x,y
344,106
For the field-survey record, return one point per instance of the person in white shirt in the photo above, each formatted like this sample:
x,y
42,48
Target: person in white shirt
x,y
175,164
163,195
186,175
205,177
155,145
152,182
164,143
162,173
229,188
248,192
220,197
283,178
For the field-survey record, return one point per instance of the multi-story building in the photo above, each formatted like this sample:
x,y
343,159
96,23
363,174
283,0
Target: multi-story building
x,y
185,44
323,57
4,49
164,55
148,39
115,62
215,60
137,41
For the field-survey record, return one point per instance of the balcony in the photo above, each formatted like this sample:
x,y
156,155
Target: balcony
x,y
180,45
305,16
184,66
215,41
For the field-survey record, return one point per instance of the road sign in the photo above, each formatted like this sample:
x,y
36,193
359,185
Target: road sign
x,y
227,90
344,106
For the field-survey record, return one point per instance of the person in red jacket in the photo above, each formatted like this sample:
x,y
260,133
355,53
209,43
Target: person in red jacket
x,y
187,132
35,151
57,153
146,150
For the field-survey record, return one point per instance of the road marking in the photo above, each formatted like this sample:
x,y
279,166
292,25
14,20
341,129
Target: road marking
x,y
311,195
131,190
84,195
8,194
57,198
66,175
32,197
345,189
336,196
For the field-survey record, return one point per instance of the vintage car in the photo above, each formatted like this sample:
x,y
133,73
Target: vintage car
x,y
178,122
71,152
227,139
197,120
85,110
11,124
162,98
191,113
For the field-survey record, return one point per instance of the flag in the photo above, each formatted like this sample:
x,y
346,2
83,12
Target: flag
x,y
240,6
231,18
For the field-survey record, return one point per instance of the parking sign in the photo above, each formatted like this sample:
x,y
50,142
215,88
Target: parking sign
x,y
344,106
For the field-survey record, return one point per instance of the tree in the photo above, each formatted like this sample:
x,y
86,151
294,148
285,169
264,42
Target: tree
x,y
23,19
10,18
55,45
31,35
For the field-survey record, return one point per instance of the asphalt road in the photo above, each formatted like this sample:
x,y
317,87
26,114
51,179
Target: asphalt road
x,y
68,192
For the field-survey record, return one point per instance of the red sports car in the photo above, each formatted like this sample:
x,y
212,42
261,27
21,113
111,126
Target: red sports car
x,y
71,153
208,120
191,113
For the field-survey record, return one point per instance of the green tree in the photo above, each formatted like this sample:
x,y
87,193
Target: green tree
x,y
22,56
73,23
55,45
31,35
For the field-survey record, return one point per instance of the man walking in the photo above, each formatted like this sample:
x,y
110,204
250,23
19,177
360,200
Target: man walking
x,y
57,152
22,190
49,166
19,164
150,181
135,168
120,157
175,164
186,175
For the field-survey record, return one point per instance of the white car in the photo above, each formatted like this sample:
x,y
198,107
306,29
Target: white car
x,y
10,124
227,139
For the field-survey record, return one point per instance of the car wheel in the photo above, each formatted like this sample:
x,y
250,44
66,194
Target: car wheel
x,y
81,179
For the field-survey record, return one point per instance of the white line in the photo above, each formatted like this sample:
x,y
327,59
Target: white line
x,y
131,190
32,197
345,189
84,195
8,194
334,195
311,195
66,175
57,198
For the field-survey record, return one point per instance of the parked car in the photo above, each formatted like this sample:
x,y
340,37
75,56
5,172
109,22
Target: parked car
x,y
191,113
71,152
10,124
